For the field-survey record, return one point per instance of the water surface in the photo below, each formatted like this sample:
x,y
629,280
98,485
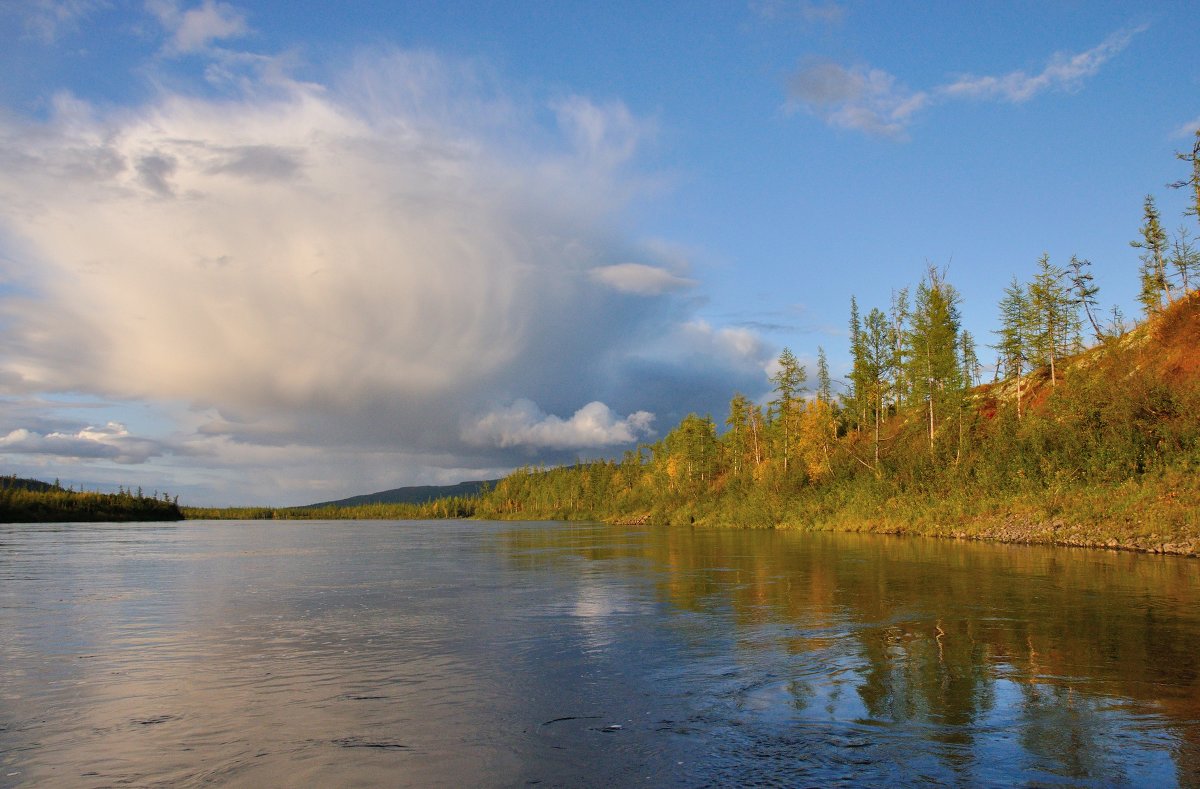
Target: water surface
x,y
479,653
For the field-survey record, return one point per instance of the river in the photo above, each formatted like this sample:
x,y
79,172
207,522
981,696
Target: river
x,y
459,653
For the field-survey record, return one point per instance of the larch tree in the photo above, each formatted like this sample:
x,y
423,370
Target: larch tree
x,y
1184,258
1054,318
898,337
1084,288
970,360
970,374
858,401
1191,183
789,388
1013,344
877,370
824,382
1153,242
932,364
692,454
744,435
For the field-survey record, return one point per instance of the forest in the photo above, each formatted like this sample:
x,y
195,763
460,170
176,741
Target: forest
x,y
1086,434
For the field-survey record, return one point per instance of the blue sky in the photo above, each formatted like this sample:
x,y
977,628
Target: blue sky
x,y
284,252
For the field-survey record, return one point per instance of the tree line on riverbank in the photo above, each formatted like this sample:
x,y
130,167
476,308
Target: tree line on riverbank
x,y
446,507
1086,441
33,501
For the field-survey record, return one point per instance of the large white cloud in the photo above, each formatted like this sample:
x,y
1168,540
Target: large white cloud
x,y
278,252
352,267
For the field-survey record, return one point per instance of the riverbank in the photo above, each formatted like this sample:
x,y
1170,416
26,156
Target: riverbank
x,y
1156,515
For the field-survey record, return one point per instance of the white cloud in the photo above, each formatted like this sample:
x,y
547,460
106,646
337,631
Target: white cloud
x,y
807,11
110,442
275,252
737,346
640,279
865,99
47,20
196,29
1188,129
607,134
523,424
1065,72
873,101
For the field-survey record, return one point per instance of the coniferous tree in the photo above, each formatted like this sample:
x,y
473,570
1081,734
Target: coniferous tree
x,y
1054,316
1154,284
736,438
824,382
898,337
932,363
744,436
1116,322
1193,182
1085,290
789,387
692,455
970,360
1014,333
877,370
1185,259
817,433
859,398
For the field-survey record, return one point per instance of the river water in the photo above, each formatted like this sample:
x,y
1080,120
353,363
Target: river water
x,y
506,654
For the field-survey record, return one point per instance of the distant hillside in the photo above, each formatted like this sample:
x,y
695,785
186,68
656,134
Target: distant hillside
x,y
17,483
416,494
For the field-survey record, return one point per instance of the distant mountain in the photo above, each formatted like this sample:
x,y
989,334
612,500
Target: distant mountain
x,y
417,494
